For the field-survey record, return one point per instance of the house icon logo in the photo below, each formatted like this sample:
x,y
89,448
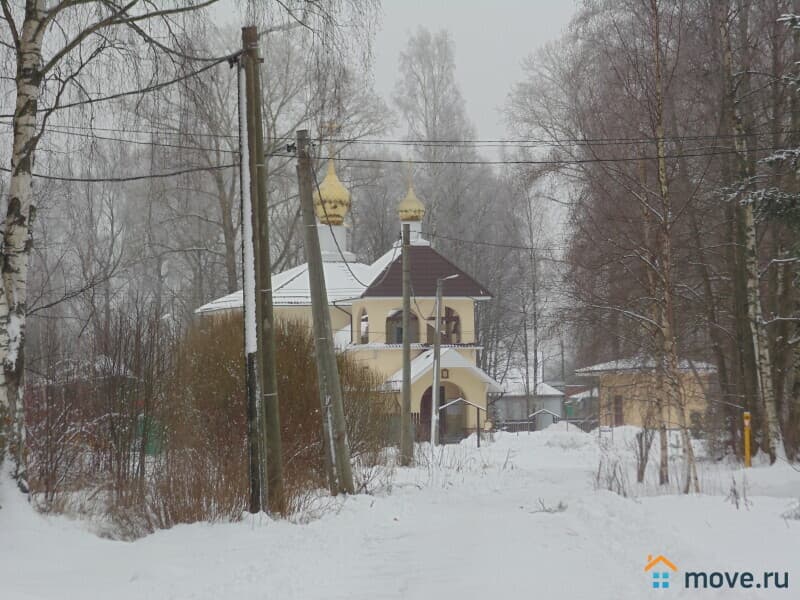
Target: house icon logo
x,y
659,568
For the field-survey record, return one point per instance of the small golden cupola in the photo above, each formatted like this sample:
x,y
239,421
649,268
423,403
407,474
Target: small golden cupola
x,y
332,200
411,208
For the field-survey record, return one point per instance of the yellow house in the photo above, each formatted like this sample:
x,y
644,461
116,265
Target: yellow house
x,y
627,392
365,306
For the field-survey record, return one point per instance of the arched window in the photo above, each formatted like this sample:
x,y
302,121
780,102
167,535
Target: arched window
x,y
363,327
394,327
450,328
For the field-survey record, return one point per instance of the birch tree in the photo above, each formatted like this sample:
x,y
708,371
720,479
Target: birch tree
x,y
52,43
745,212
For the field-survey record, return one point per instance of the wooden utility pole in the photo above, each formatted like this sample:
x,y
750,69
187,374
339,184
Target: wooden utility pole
x,y
249,217
406,441
436,399
437,367
337,451
272,456
535,321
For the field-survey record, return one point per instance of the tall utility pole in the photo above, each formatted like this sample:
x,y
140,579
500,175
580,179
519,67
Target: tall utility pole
x,y
526,356
406,441
437,369
272,456
337,451
437,359
249,251
535,320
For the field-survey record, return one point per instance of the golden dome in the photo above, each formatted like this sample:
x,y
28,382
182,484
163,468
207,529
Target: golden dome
x,y
335,198
411,208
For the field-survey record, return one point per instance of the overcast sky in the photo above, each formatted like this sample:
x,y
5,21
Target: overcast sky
x,y
491,39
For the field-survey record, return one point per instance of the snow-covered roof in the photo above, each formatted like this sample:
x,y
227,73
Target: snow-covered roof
x,y
641,364
514,384
385,260
292,287
344,281
585,395
449,359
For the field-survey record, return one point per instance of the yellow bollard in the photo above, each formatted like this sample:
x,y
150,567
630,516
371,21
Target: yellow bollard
x,y
746,438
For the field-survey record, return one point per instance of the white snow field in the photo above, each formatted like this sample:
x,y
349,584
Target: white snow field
x,y
472,527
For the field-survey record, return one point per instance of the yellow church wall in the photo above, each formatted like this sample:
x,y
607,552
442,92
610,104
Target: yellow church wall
x,y
387,361
379,308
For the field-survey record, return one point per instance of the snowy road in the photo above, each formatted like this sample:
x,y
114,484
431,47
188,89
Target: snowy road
x,y
474,529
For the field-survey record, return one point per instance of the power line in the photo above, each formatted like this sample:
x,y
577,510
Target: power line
x,y
339,249
127,178
457,142
551,162
149,132
333,235
492,244
551,141
56,129
150,88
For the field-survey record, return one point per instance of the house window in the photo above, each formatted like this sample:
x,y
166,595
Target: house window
x,y
394,327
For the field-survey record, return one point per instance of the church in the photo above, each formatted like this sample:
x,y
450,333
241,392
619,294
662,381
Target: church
x,y
365,308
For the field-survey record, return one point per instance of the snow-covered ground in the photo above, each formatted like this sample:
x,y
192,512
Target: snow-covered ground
x,y
521,518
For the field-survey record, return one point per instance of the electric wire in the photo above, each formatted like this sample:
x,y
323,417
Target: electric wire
x,y
492,244
150,88
126,178
56,129
335,240
524,142
550,162
511,142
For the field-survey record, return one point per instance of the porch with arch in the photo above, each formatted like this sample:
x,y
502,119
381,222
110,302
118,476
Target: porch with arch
x,y
452,419
460,378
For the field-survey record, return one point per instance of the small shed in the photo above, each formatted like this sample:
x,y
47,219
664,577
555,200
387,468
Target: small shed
x,y
512,408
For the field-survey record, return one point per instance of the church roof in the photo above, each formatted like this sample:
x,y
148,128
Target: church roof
x,y
427,265
292,287
448,359
346,281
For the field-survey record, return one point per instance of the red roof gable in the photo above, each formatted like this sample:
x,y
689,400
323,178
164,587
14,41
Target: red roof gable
x,y
427,265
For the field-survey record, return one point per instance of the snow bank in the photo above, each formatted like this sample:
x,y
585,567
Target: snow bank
x,y
466,523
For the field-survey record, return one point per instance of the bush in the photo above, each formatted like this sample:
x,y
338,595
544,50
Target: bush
x,y
155,423
210,426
